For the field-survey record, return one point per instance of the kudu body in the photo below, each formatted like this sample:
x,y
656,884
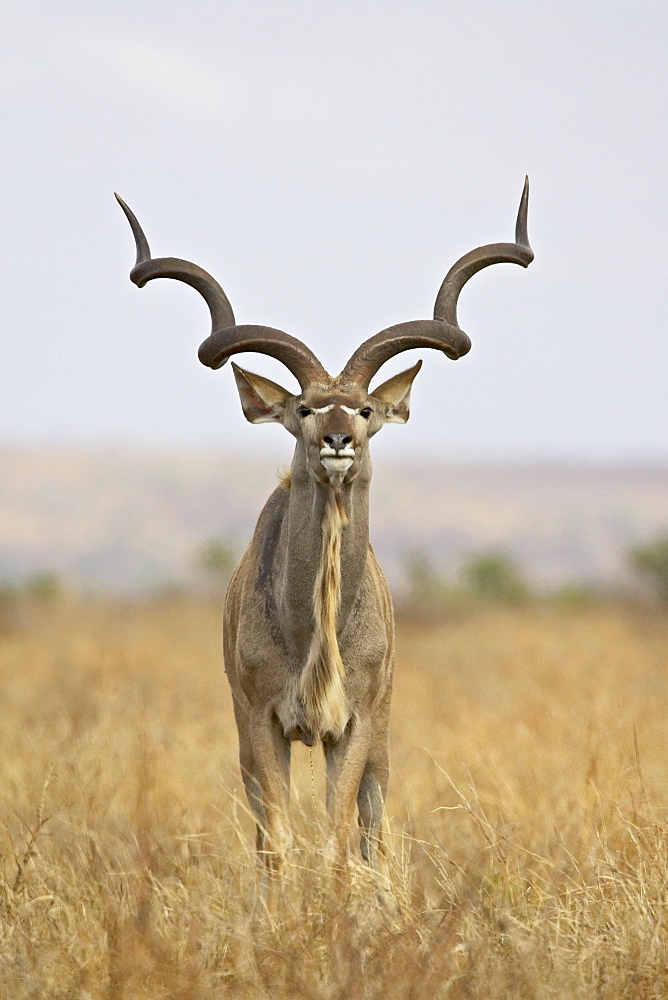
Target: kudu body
x,y
308,626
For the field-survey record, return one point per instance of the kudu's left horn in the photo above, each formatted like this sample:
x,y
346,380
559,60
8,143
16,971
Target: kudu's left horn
x,y
443,332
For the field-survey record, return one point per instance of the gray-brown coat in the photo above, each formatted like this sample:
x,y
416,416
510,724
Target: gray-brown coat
x,y
308,627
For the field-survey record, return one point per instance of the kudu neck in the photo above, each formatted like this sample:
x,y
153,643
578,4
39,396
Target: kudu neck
x,y
306,521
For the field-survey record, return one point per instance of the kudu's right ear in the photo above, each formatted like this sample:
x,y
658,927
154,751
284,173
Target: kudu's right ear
x,y
262,400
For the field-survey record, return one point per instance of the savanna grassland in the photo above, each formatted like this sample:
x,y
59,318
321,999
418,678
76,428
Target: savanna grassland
x,y
527,844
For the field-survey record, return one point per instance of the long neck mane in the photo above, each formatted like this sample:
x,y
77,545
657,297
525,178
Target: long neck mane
x,y
321,685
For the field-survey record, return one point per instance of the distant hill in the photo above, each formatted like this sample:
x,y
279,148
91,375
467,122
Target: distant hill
x,y
128,520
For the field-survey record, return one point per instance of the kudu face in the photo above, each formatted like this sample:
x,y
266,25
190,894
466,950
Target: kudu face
x,y
333,422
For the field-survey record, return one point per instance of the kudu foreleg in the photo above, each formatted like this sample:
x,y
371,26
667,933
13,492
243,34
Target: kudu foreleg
x,y
271,763
346,762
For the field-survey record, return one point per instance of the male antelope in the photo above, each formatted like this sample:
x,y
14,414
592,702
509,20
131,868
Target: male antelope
x,y
308,625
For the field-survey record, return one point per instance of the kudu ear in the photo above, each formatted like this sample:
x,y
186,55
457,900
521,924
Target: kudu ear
x,y
262,400
396,395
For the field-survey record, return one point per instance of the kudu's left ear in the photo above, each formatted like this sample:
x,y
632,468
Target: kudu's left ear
x,y
261,399
396,395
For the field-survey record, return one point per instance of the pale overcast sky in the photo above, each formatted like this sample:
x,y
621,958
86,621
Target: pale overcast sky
x,y
327,162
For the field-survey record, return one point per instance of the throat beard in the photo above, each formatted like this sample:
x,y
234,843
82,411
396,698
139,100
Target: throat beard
x,y
321,684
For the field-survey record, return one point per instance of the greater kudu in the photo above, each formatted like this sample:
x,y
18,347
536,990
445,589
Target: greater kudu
x,y
308,623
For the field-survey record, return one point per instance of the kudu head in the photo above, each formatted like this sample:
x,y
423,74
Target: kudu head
x,y
333,417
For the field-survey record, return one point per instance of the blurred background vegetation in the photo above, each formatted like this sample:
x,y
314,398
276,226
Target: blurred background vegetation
x,y
494,577
425,592
650,562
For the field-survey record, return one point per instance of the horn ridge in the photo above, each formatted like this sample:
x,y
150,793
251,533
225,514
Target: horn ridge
x,y
301,361
193,275
375,351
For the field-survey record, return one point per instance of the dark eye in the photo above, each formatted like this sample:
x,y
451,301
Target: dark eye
x,y
304,411
366,412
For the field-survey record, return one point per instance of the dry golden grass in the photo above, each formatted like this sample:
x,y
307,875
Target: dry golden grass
x,y
527,846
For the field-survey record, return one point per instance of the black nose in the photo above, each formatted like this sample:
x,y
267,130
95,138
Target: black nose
x,y
338,441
